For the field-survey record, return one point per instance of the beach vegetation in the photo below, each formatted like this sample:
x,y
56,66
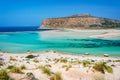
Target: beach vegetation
x,y
4,75
67,67
57,60
116,60
45,70
102,67
10,67
14,69
62,60
56,76
75,62
85,63
36,61
30,56
12,58
22,67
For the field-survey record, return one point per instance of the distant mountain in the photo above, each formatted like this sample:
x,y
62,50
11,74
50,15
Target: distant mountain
x,y
80,21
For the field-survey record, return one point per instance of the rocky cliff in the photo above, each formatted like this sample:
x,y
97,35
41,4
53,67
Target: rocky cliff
x,y
80,21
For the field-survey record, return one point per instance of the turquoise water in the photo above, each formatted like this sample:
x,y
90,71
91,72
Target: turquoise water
x,y
66,42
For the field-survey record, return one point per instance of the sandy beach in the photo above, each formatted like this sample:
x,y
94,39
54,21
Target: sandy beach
x,y
104,33
69,67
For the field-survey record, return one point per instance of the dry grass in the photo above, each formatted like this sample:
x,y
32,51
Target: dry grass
x,y
62,60
85,63
75,62
36,61
102,67
67,67
45,70
56,76
12,58
14,69
22,67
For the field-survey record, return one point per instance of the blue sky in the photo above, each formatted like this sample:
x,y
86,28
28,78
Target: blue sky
x,y
32,12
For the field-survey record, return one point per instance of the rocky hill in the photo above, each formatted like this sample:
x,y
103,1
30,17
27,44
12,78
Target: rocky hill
x,y
80,21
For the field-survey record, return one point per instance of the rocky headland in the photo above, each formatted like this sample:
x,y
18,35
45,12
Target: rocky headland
x,y
84,21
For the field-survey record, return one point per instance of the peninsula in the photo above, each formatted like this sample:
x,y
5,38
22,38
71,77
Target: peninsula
x,y
85,21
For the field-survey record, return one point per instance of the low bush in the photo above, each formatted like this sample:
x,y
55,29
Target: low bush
x,y
14,69
12,58
56,76
36,61
4,75
67,67
45,70
30,56
22,67
102,67
62,60
85,63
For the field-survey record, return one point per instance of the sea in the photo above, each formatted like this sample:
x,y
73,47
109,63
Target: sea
x,y
22,39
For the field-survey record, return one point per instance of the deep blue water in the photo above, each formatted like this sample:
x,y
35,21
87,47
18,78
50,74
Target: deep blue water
x,y
18,28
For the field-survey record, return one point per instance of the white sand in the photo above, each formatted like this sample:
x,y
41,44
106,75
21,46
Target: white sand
x,y
105,33
76,72
100,33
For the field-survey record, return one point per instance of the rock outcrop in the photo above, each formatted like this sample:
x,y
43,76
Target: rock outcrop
x,y
80,21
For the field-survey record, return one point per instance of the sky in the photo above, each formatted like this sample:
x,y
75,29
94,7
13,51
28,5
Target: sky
x,y
32,12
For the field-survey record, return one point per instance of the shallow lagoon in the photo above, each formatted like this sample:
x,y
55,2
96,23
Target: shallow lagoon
x,y
62,41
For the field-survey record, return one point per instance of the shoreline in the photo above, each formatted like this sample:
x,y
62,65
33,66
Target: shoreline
x,y
63,53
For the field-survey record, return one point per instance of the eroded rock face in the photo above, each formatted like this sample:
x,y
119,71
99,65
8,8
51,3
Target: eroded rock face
x,y
80,21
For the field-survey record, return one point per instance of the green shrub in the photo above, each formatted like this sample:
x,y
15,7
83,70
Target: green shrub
x,y
14,69
85,63
67,67
10,67
30,56
45,70
12,59
4,75
36,61
99,67
102,67
63,60
22,67
108,69
116,60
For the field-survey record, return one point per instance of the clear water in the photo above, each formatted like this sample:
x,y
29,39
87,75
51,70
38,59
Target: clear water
x,y
62,41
